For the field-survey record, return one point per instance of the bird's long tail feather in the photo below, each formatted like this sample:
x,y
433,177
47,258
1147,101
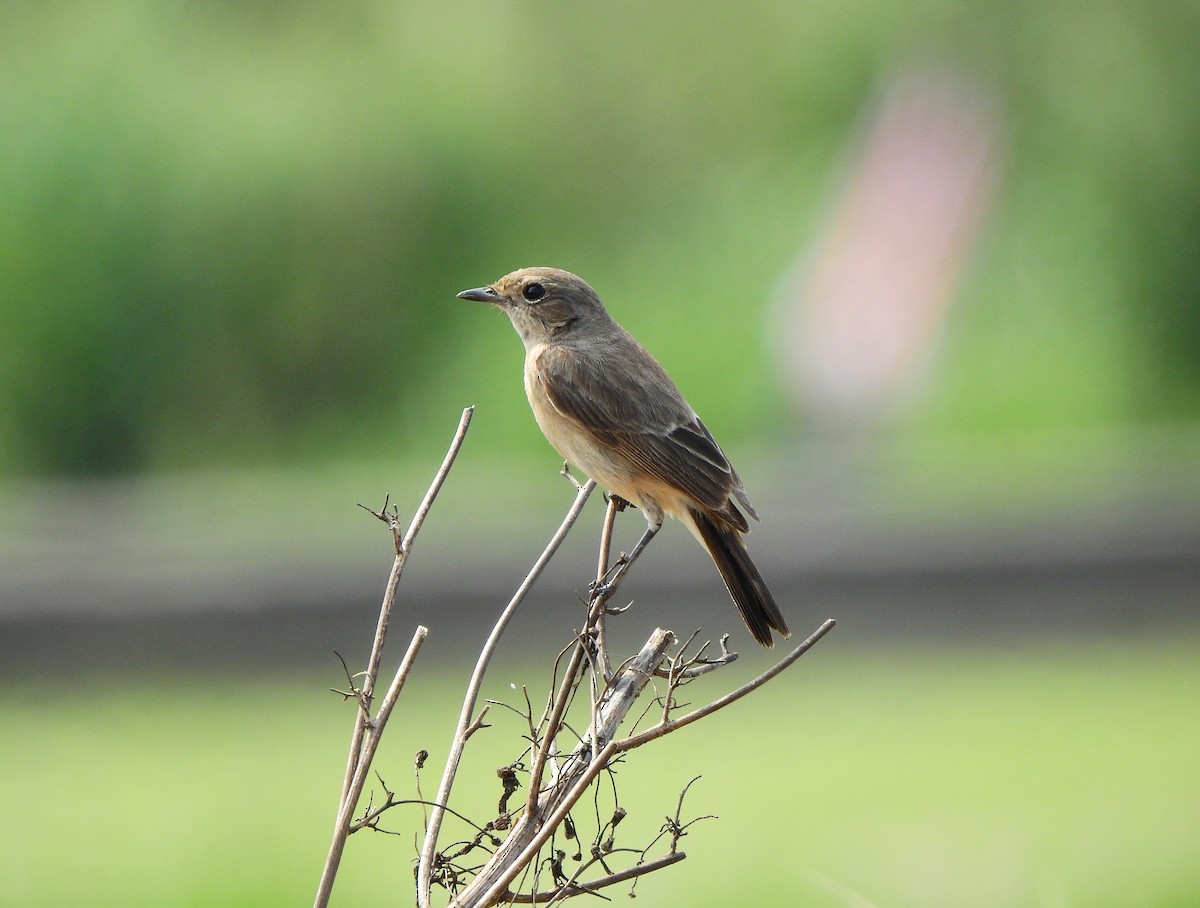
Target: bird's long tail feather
x,y
754,601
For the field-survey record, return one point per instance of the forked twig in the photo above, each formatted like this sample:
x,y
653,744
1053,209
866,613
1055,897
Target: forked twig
x,y
733,696
404,546
366,730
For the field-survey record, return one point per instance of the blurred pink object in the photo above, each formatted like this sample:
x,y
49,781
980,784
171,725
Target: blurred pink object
x,y
860,311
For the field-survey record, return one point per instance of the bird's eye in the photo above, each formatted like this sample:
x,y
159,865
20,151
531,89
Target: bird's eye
x,y
533,292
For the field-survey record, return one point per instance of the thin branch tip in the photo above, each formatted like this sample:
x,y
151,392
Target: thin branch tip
x,y
368,729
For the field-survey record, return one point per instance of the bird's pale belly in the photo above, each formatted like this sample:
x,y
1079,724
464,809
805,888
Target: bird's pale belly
x,y
580,449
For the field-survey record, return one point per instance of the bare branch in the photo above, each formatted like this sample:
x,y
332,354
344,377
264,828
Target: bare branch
x,y
429,848
566,474
567,751
403,548
606,531
370,743
589,888
543,816
700,664
355,692
597,604
372,814
443,471
667,727
478,723
357,763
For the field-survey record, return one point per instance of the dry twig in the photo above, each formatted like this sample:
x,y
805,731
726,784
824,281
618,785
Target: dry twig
x,y
458,743
366,730
558,774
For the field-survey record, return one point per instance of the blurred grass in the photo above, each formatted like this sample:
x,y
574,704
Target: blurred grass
x,y
232,234
1049,774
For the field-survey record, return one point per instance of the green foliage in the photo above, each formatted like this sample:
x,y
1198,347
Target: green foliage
x,y
232,233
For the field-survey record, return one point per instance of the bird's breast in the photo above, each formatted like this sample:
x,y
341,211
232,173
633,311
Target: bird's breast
x,y
575,442
570,440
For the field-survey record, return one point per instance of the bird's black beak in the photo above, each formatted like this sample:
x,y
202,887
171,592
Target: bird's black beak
x,y
483,295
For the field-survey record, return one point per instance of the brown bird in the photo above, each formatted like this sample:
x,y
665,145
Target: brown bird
x,y
611,410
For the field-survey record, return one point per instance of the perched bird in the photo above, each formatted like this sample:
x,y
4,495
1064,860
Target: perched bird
x,y
611,410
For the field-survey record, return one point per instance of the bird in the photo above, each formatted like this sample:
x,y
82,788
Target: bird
x,y
610,410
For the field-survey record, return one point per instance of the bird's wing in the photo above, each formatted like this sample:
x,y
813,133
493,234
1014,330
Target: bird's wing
x,y
639,413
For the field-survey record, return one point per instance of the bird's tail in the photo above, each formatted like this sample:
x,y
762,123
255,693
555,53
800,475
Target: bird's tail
x,y
746,585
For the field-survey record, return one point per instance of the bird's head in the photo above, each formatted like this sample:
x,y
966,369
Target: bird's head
x,y
544,303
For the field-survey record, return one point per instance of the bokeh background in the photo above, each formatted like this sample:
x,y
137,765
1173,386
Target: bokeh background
x,y
929,271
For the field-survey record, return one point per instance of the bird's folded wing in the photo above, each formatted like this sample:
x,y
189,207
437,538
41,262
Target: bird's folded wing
x,y
642,417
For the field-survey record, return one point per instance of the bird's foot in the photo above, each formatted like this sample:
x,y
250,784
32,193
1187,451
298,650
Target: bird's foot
x,y
618,502
600,590
604,587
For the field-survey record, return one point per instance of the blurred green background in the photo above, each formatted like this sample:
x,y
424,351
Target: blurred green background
x,y
230,239
232,232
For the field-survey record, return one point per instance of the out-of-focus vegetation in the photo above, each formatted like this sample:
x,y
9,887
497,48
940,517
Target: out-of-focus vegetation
x,y
1058,774
231,233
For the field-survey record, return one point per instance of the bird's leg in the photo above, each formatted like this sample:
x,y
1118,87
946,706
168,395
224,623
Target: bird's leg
x,y
609,578
627,560
604,586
